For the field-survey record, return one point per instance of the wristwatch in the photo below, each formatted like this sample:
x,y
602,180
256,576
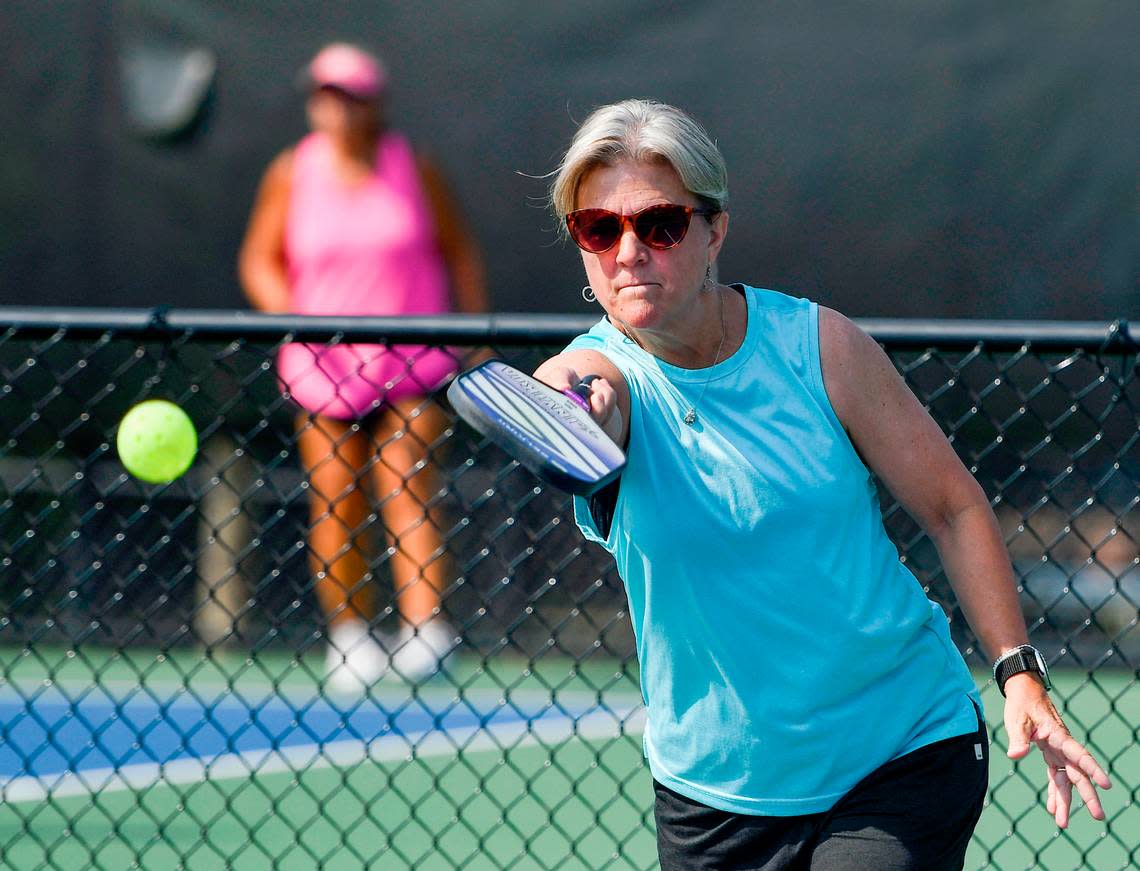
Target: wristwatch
x,y
1024,658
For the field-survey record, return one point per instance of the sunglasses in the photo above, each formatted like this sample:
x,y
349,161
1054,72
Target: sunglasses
x,y
662,226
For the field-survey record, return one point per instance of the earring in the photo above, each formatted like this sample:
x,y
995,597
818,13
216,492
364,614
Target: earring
x,y
588,294
707,284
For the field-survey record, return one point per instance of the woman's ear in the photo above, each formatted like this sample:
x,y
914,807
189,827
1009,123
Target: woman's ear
x,y
718,231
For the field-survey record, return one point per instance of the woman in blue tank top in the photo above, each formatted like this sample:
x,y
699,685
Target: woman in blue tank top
x,y
805,703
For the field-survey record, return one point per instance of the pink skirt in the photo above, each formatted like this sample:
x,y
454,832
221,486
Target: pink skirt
x,y
349,382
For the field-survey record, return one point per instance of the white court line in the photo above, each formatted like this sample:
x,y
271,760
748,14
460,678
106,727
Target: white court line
x,y
311,757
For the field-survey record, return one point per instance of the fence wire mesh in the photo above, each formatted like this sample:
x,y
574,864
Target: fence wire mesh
x,y
383,644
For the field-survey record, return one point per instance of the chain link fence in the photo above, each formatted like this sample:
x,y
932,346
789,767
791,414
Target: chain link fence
x,y
172,689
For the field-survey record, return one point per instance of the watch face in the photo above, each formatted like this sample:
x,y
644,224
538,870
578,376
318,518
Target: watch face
x,y
1042,667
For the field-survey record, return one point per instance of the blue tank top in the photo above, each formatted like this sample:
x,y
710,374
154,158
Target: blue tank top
x,y
785,650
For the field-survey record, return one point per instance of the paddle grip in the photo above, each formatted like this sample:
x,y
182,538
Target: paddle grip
x,y
580,392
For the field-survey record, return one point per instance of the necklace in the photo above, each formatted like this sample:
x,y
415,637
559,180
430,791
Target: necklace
x,y
690,417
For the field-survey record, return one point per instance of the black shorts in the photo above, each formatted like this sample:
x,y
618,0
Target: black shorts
x,y
915,812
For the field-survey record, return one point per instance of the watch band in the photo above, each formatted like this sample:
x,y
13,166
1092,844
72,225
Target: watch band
x,y
1018,660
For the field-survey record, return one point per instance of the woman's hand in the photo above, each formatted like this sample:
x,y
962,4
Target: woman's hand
x,y
1031,718
607,395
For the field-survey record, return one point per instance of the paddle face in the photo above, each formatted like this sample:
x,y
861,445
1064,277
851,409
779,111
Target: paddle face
x,y
548,432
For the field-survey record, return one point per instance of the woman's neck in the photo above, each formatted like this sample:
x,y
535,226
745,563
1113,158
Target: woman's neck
x,y
715,338
354,157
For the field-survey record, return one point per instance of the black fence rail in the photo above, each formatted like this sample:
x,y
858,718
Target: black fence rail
x,y
175,692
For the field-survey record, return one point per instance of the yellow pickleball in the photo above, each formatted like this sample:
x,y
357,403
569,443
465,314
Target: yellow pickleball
x,y
157,441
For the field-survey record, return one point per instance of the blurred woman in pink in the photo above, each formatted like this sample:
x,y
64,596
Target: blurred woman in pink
x,y
350,221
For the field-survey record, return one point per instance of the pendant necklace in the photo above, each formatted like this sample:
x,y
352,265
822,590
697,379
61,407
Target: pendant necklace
x,y
690,417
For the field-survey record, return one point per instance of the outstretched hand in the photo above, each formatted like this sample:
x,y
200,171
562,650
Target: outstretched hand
x,y
602,397
1031,718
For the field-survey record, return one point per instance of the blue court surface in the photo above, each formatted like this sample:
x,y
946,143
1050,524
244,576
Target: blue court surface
x,y
57,741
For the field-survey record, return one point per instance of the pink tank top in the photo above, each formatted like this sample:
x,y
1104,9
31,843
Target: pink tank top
x,y
367,248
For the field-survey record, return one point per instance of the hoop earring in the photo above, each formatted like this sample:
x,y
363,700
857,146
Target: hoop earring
x,y
588,294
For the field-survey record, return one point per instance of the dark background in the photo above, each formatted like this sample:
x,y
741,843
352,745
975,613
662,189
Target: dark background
x,y
917,158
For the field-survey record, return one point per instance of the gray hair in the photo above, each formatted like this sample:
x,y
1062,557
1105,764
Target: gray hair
x,y
645,131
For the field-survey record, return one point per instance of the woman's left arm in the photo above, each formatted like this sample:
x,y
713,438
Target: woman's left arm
x,y
904,447
456,241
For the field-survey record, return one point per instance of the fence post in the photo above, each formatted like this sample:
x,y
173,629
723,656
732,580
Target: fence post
x,y
224,534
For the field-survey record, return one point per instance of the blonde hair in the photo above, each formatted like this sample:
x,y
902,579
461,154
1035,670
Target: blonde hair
x,y
647,132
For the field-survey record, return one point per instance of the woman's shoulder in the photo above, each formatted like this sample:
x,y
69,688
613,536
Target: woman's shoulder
x,y
393,144
786,326
278,176
286,161
777,312
282,163
775,301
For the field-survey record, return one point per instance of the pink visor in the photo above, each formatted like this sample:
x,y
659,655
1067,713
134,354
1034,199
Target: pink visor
x,y
349,69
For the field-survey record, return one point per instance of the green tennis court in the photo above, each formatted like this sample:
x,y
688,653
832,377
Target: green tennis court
x,y
509,764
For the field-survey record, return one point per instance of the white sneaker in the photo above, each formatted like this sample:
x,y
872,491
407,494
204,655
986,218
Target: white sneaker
x,y
355,660
420,652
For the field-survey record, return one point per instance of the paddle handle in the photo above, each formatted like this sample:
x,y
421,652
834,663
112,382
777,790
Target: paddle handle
x,y
580,392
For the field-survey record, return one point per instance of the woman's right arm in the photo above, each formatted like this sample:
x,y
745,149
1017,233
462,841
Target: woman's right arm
x,y
609,395
261,263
